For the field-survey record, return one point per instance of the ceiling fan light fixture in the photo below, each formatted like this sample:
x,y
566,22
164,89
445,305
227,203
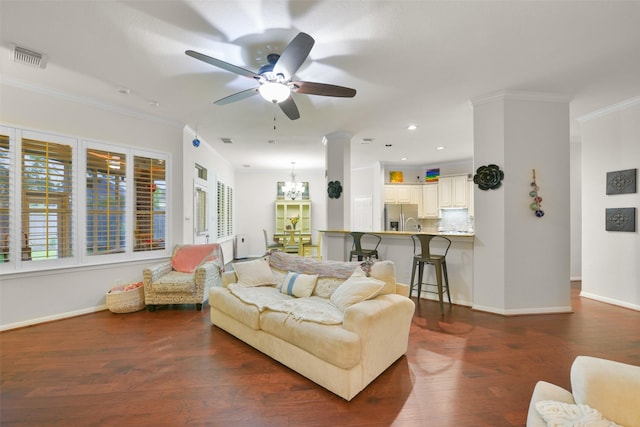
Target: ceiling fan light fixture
x,y
274,92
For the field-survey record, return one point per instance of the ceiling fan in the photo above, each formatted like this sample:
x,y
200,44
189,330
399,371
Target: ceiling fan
x,y
275,79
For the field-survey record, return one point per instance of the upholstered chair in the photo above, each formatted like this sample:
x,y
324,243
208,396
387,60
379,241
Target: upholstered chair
x,y
186,278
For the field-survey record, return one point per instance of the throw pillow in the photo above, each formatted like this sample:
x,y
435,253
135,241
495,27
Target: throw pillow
x,y
298,285
356,288
188,257
568,414
385,271
254,273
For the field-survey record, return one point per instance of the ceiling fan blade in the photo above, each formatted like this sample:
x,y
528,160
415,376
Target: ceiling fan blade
x,y
289,107
323,89
237,96
224,65
294,55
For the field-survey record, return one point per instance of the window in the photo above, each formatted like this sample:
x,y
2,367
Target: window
x,y
201,201
5,162
64,201
106,201
151,203
46,200
201,172
201,210
225,210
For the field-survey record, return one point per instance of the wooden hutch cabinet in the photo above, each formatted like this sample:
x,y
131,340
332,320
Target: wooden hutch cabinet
x,y
288,209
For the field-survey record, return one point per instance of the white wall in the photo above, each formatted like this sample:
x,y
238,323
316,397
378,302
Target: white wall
x,y
27,298
610,260
576,210
410,174
218,168
256,192
521,262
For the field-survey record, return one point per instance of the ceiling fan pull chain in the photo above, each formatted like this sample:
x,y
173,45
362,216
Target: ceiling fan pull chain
x,y
274,116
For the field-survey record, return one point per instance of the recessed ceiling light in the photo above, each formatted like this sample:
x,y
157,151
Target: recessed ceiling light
x,y
246,166
271,141
440,148
124,90
404,158
388,145
412,127
154,103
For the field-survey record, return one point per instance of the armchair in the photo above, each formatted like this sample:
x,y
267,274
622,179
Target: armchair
x,y
601,390
186,278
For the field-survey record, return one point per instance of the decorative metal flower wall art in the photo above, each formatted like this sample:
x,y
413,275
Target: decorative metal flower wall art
x,y
620,219
488,177
334,190
621,182
536,206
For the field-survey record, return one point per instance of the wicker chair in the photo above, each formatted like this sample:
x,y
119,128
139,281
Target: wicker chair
x,y
186,278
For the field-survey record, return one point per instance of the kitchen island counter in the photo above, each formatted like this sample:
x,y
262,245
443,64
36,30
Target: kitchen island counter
x,y
409,233
397,246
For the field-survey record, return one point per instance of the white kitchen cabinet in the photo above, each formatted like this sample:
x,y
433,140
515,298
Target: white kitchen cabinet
x,y
429,208
402,194
415,194
452,191
389,194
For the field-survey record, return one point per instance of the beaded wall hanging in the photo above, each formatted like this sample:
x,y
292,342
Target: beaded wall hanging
x,y
536,206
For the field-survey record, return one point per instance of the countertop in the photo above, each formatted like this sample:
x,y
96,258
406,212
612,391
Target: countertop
x,y
409,233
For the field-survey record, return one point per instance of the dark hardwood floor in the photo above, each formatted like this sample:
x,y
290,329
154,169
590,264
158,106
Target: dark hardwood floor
x,y
172,368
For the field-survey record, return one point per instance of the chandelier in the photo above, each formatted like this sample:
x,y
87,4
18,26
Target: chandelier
x,y
293,190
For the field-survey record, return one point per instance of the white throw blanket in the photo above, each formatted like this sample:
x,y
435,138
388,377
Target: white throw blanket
x,y
312,309
562,414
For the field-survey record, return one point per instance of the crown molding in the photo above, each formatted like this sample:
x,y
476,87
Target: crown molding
x,y
19,84
631,102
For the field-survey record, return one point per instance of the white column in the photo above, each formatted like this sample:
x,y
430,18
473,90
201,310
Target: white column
x,y
521,262
338,168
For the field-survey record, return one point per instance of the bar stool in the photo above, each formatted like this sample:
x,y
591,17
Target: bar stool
x,y
359,251
422,255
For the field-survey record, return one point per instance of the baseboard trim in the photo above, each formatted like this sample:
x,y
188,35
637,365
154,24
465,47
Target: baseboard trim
x,y
52,318
611,301
523,311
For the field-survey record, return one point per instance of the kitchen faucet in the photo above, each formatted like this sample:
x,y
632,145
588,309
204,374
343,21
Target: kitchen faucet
x,y
406,222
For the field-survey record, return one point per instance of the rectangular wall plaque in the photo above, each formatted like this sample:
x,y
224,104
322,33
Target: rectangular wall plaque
x,y
620,219
622,182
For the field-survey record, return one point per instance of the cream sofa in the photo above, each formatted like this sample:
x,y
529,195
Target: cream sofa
x,y
603,392
342,327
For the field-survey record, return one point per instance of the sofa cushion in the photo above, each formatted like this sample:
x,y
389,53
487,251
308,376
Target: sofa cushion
x,y
299,285
188,257
174,281
331,343
254,273
356,288
223,300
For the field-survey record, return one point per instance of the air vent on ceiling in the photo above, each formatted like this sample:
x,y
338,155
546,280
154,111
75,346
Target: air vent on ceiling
x,y
28,56
226,140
